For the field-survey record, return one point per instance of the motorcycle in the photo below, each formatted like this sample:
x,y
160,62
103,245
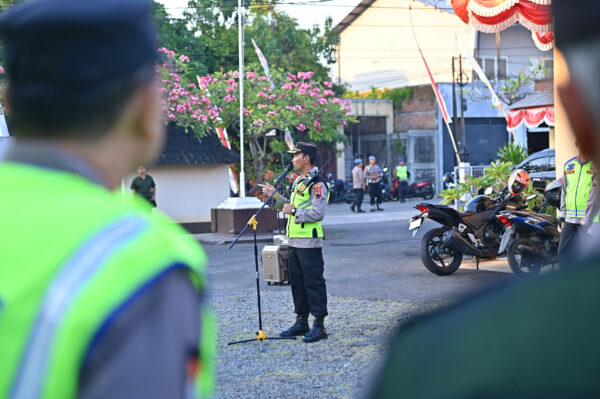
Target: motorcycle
x,y
531,238
424,188
385,187
339,190
475,232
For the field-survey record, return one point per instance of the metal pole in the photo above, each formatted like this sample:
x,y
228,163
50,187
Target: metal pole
x,y
454,115
241,78
462,110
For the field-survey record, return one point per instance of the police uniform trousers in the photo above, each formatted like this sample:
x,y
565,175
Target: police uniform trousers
x,y
375,192
305,269
358,197
569,241
402,189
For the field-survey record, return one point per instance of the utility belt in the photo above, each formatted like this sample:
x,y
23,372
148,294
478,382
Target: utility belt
x,y
373,181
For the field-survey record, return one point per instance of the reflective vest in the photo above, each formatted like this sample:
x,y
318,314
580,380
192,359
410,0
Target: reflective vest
x,y
301,199
72,256
402,172
579,182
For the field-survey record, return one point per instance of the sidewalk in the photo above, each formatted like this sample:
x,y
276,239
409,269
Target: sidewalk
x,y
394,210
226,239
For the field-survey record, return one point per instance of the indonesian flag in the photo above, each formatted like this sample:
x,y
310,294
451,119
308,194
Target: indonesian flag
x,y
438,96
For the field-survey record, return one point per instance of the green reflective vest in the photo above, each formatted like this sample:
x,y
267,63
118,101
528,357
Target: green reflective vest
x,y
402,172
72,256
579,182
301,199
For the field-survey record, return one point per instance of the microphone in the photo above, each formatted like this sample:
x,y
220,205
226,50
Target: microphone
x,y
283,174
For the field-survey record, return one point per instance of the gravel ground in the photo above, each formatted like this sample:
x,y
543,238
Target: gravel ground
x,y
334,368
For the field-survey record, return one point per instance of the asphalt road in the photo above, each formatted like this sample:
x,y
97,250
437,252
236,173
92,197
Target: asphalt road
x,y
367,256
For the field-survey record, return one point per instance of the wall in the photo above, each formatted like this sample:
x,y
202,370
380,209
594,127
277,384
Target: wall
x,y
188,192
516,45
377,49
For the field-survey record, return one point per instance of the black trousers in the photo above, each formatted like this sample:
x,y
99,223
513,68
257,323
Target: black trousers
x,y
569,241
375,193
305,269
402,189
358,197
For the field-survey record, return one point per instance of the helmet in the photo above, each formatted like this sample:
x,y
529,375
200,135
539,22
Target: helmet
x,y
357,161
400,159
371,157
519,179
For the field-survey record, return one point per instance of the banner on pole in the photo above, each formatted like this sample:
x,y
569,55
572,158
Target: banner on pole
x,y
263,61
438,96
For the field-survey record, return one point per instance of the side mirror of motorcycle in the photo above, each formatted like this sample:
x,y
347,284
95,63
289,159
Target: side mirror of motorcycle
x,y
385,170
532,196
489,190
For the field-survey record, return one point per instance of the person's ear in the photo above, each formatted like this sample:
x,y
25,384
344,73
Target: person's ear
x,y
581,121
147,118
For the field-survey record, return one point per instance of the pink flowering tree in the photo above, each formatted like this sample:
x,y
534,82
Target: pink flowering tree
x,y
296,103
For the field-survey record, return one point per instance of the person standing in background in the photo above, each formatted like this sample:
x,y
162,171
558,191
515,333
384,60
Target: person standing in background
x,y
144,186
402,176
373,174
358,181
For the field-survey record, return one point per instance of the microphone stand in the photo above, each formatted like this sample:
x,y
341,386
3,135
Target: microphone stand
x,y
261,336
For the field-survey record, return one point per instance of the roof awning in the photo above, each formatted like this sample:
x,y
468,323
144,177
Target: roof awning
x,y
533,110
491,16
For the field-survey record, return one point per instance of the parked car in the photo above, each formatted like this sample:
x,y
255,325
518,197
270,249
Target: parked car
x,y
541,167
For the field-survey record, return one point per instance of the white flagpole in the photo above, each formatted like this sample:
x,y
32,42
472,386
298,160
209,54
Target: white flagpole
x,y
241,72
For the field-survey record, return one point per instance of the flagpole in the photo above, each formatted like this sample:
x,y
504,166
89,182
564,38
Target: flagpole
x,y
241,79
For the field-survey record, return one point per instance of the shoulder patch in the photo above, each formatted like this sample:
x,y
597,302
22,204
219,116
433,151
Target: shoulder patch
x,y
572,159
318,190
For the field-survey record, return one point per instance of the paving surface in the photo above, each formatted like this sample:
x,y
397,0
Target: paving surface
x,y
374,279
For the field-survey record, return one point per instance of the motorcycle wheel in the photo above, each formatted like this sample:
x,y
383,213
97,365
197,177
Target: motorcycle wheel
x,y
522,265
441,263
427,195
394,197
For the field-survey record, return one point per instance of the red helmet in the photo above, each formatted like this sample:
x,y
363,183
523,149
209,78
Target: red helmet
x,y
519,179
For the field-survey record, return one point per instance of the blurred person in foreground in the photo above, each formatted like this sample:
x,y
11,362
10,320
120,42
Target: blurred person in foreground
x,y
534,338
97,299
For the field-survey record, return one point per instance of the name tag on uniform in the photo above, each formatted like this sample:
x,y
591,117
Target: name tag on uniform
x,y
569,171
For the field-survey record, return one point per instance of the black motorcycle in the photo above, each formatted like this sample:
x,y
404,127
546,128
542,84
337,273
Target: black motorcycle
x,y
476,232
531,238
339,190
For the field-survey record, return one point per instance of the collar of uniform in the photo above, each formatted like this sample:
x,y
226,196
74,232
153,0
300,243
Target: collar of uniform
x,y
51,156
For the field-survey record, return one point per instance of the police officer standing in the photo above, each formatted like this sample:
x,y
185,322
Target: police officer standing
x,y
97,298
306,210
576,184
402,176
373,174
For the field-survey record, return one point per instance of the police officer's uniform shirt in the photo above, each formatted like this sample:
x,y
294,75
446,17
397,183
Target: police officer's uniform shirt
x,y
318,194
145,348
373,173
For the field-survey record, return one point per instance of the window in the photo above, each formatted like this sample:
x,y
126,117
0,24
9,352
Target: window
x,y
536,165
552,164
494,70
502,68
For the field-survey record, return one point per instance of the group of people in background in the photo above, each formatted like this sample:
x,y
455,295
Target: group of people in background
x,y
371,177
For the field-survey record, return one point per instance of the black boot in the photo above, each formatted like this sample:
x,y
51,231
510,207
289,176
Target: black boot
x,y
352,208
317,332
379,208
360,211
300,327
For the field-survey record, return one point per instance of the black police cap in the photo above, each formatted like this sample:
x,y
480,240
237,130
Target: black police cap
x,y
52,44
305,148
575,21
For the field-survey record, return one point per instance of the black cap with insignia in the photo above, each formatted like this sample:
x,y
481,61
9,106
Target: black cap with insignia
x,y
575,21
305,148
76,43
64,55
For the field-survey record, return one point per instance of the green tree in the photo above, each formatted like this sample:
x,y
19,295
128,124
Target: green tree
x,y
208,34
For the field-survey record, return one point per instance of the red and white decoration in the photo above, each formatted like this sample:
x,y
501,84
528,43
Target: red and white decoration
x,y
531,117
491,16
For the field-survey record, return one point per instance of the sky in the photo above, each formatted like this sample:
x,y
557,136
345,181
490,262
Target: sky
x,y
307,12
